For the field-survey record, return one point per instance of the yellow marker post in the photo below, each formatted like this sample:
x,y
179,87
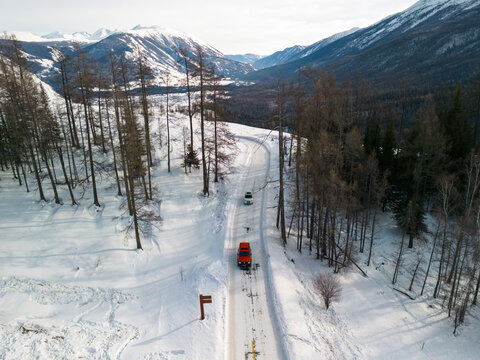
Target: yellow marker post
x,y
253,351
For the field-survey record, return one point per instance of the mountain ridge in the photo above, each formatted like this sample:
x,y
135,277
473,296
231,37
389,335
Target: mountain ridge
x,y
159,45
422,23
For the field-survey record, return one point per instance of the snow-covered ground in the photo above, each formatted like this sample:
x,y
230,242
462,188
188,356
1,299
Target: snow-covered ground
x,y
72,286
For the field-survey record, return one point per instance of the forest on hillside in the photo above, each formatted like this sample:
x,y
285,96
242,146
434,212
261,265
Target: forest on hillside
x,y
348,164
64,140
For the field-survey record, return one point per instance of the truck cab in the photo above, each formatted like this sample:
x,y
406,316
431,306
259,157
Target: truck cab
x,y
244,255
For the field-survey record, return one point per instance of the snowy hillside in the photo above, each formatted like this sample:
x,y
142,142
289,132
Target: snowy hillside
x,y
432,42
422,12
298,51
279,57
322,43
245,58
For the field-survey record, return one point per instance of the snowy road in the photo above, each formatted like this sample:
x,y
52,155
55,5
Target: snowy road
x,y
250,316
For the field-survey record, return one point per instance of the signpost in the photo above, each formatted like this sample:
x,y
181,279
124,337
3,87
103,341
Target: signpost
x,y
204,299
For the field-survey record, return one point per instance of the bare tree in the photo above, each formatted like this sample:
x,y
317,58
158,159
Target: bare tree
x,y
281,202
144,73
203,73
85,87
167,90
328,286
185,58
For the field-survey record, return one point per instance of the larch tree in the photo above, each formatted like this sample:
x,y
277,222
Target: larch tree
x,y
85,88
223,139
281,197
203,73
144,74
167,93
189,66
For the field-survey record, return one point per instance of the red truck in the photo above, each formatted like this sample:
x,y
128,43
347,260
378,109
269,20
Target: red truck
x,y
244,255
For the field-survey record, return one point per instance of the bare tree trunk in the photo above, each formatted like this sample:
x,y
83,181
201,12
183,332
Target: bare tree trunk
x,y
112,145
475,295
397,265
37,175
456,256
116,106
414,274
67,145
431,257
102,136
66,93
52,180
168,126
371,237
301,228
452,290
440,268
216,139
202,123
135,218
148,147
281,201
24,177
62,162
90,155
84,154
459,278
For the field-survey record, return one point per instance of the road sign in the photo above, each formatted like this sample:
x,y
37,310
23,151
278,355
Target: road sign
x,y
204,299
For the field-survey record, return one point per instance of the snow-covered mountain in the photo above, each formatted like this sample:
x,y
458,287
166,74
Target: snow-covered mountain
x,y
245,58
324,42
279,57
58,36
81,36
422,13
433,40
160,45
298,51
101,33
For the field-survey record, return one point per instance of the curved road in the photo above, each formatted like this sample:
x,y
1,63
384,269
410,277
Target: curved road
x,y
250,315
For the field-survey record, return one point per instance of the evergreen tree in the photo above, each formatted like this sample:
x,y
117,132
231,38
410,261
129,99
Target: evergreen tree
x,y
372,139
387,153
457,132
191,159
421,160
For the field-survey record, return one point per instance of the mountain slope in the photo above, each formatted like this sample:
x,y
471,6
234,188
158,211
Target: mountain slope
x,y
422,41
322,43
245,58
279,57
159,45
298,51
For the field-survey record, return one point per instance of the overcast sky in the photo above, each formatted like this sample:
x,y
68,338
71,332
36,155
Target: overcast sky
x,y
233,27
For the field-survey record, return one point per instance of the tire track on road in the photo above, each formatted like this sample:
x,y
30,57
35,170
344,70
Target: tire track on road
x,y
249,313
